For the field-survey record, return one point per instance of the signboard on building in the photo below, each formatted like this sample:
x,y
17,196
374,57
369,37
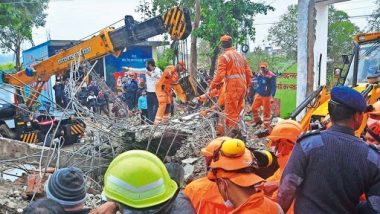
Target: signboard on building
x,y
135,57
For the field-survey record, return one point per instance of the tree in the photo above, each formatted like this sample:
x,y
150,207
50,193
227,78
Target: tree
x,y
374,20
341,30
218,17
16,22
284,33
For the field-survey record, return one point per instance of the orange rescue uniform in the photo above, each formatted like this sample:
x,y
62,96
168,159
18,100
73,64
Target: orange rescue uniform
x,y
276,177
205,197
233,69
164,93
258,204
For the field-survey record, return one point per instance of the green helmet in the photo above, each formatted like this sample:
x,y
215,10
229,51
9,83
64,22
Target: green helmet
x,y
138,179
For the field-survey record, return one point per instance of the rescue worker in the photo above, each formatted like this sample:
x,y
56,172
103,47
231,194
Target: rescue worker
x,y
329,170
233,168
233,69
373,125
203,193
282,140
265,91
164,91
138,182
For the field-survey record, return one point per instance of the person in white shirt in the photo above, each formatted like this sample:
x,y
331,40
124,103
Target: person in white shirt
x,y
152,74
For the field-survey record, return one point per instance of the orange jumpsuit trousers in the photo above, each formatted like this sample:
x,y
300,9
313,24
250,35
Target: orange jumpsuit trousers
x,y
233,69
265,103
164,94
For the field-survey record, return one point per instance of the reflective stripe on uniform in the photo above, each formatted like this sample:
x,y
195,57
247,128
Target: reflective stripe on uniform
x,y
236,76
136,193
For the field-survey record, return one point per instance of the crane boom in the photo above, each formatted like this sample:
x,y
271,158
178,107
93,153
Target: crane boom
x,y
176,22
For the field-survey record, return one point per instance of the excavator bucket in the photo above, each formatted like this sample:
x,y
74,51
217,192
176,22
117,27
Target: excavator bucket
x,y
177,23
183,90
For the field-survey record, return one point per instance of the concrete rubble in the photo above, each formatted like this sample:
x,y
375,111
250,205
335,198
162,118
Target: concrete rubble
x,y
178,141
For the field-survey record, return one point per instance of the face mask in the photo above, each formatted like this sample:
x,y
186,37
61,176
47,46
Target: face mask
x,y
228,204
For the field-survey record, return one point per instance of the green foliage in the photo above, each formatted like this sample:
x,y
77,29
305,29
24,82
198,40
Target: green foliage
x,y
16,23
341,31
374,20
277,63
234,17
284,33
7,67
218,17
165,59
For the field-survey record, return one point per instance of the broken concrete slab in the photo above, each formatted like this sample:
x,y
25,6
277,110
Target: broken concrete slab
x,y
29,153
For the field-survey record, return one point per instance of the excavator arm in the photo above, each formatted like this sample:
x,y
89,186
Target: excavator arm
x,y
176,22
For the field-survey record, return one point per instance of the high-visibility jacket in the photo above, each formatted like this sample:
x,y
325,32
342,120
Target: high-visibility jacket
x,y
169,77
233,68
258,204
205,197
164,95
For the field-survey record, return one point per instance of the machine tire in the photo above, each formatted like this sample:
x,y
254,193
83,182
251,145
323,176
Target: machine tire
x,y
6,132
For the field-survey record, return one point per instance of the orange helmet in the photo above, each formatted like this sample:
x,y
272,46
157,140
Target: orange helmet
x,y
209,150
263,65
239,178
231,155
225,38
287,129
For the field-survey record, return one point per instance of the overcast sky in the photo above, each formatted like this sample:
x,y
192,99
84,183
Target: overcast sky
x,y
75,19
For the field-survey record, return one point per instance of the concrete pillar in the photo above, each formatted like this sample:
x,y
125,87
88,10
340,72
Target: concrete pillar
x,y
305,45
320,48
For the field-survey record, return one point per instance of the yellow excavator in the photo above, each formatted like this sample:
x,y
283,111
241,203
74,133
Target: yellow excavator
x,y
176,22
361,71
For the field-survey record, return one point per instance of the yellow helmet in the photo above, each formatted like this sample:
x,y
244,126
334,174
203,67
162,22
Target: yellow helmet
x,y
233,148
208,151
138,179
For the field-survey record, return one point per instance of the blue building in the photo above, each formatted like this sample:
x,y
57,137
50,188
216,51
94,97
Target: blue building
x,y
134,56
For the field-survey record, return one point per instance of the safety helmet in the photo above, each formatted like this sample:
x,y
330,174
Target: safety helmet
x,y
287,129
225,38
263,65
233,148
138,179
208,151
231,155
